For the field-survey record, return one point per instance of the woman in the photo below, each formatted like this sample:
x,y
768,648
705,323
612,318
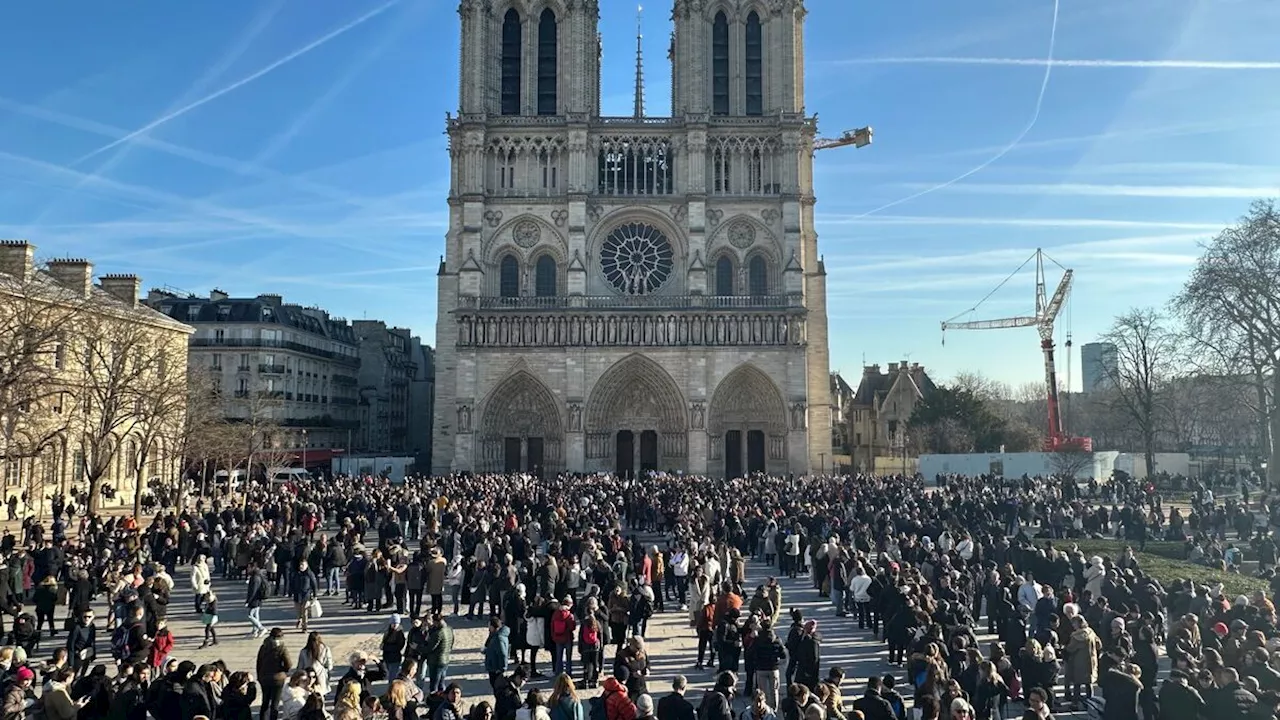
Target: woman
x,y
209,618
991,694
533,708
636,659
758,709
481,711
590,647
238,698
58,704
315,656
564,702
1037,705
347,705
295,694
396,702
200,581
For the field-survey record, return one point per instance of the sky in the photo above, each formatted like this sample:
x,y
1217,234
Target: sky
x,y
296,147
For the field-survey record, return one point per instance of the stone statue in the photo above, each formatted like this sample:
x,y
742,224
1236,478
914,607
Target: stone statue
x,y
575,417
464,418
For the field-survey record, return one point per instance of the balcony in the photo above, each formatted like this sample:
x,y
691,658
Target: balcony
x,y
782,327
268,369
242,394
633,302
243,368
343,401
348,380
276,344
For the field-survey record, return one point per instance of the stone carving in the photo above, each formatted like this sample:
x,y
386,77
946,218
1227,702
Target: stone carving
x,y
521,406
799,416
464,418
636,258
636,387
770,215
698,415
527,234
560,217
492,217
742,235
747,397
575,417
611,328
714,217
594,212
678,212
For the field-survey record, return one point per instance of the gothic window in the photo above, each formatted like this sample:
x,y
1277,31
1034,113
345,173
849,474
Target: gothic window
x,y
635,166
509,277
636,258
545,277
720,65
720,170
758,276
511,50
724,276
755,75
547,63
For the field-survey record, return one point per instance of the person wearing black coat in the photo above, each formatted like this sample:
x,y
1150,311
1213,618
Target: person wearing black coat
x,y
238,697
675,706
1120,691
197,697
808,656
1230,699
81,642
164,696
95,686
129,702
872,705
1178,699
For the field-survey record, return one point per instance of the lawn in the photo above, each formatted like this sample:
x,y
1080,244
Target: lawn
x,y
1164,561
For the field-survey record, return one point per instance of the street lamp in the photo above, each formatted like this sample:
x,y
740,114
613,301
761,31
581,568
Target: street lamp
x,y
304,450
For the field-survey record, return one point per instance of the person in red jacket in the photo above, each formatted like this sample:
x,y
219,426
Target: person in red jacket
x,y
563,627
617,706
161,647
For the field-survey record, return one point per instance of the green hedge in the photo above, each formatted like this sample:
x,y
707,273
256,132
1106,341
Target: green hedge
x,y
1165,562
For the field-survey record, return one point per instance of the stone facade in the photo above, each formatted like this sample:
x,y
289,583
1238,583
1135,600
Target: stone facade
x,y
881,410
386,368
622,294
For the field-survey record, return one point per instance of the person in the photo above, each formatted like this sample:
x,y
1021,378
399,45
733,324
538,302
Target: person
x,y
396,702
617,706
273,668
82,643
644,707
57,702
497,647
437,652
209,618
238,697
759,708
1037,705
198,696
393,643
254,597
347,704
717,703
533,708
201,582
294,695
591,642
316,657
564,702
872,705
563,630
674,706
451,708
303,589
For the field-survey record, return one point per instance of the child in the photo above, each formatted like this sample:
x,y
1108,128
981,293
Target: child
x,y
161,646
210,618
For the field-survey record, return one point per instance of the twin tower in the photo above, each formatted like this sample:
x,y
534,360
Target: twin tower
x,y
634,293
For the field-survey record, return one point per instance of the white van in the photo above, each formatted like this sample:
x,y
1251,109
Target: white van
x,y
283,475
235,478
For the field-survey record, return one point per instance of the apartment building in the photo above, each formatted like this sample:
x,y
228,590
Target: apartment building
x,y
296,365
92,383
386,369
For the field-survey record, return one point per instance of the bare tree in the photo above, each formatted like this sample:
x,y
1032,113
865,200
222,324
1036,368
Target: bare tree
x,y
1146,358
1070,462
1231,305
159,406
256,413
203,432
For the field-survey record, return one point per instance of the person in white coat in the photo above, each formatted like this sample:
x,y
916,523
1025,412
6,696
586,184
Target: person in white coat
x,y
1093,576
200,581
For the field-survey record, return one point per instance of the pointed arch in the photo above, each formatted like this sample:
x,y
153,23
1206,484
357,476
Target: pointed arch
x,y
520,408
720,64
511,65
754,56
636,393
545,276
724,274
548,60
747,399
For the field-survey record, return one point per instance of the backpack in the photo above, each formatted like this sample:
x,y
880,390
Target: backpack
x,y
560,625
590,637
598,711
120,642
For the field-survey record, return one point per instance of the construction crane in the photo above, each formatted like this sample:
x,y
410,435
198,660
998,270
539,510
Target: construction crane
x,y
1047,309
859,138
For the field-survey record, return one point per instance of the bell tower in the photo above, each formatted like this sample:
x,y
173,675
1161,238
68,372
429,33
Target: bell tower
x,y
529,57
737,58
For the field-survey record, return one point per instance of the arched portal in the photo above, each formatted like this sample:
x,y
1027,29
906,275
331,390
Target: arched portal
x,y
747,423
520,428
635,419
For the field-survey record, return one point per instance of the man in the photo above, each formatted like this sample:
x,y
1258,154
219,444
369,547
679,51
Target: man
x,y
717,703
508,695
81,641
872,705
254,597
435,574
765,655
303,589
438,650
198,698
859,588
674,706
448,710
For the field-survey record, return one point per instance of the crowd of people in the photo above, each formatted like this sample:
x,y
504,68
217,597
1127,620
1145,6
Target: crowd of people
x,y
976,588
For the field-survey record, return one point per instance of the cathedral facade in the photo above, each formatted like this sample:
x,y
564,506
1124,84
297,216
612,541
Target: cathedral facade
x,y
631,293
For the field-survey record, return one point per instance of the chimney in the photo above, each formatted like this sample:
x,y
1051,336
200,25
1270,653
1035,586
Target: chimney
x,y
17,258
271,299
893,368
904,365
75,273
217,295
124,288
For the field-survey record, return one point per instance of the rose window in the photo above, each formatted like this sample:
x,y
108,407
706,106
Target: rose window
x,y
636,258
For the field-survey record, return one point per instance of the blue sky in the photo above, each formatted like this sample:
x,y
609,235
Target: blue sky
x,y
295,146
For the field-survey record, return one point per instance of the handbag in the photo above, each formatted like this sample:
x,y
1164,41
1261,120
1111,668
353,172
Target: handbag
x,y
314,609
209,620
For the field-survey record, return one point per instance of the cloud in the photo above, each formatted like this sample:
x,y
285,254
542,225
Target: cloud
x,y
1070,63
1089,190
839,219
318,42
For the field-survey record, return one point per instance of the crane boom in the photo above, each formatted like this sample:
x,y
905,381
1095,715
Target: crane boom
x,y
1046,314
858,138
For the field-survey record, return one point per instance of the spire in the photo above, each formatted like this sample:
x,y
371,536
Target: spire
x,y
639,62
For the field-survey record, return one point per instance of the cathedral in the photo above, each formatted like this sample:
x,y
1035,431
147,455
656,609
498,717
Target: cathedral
x,y
625,294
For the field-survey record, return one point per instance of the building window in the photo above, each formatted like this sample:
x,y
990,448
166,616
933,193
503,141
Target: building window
x,y
636,166
215,362
724,276
545,276
758,276
755,74
547,63
60,354
509,277
720,65
219,336
511,49
720,170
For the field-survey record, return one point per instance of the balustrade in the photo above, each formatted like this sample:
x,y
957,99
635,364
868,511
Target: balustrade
x,y
621,329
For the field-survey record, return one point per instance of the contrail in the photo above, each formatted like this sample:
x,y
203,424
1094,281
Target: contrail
x,y
1076,63
243,81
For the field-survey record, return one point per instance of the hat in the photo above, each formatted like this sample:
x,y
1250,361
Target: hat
x,y
1219,629
810,625
644,706
622,673
1239,624
25,673
395,619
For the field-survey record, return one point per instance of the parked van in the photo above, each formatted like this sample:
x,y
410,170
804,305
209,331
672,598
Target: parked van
x,y
283,475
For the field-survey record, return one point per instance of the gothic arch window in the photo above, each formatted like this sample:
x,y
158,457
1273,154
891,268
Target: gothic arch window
x,y
511,50
758,276
755,66
724,276
720,65
545,277
509,277
547,51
